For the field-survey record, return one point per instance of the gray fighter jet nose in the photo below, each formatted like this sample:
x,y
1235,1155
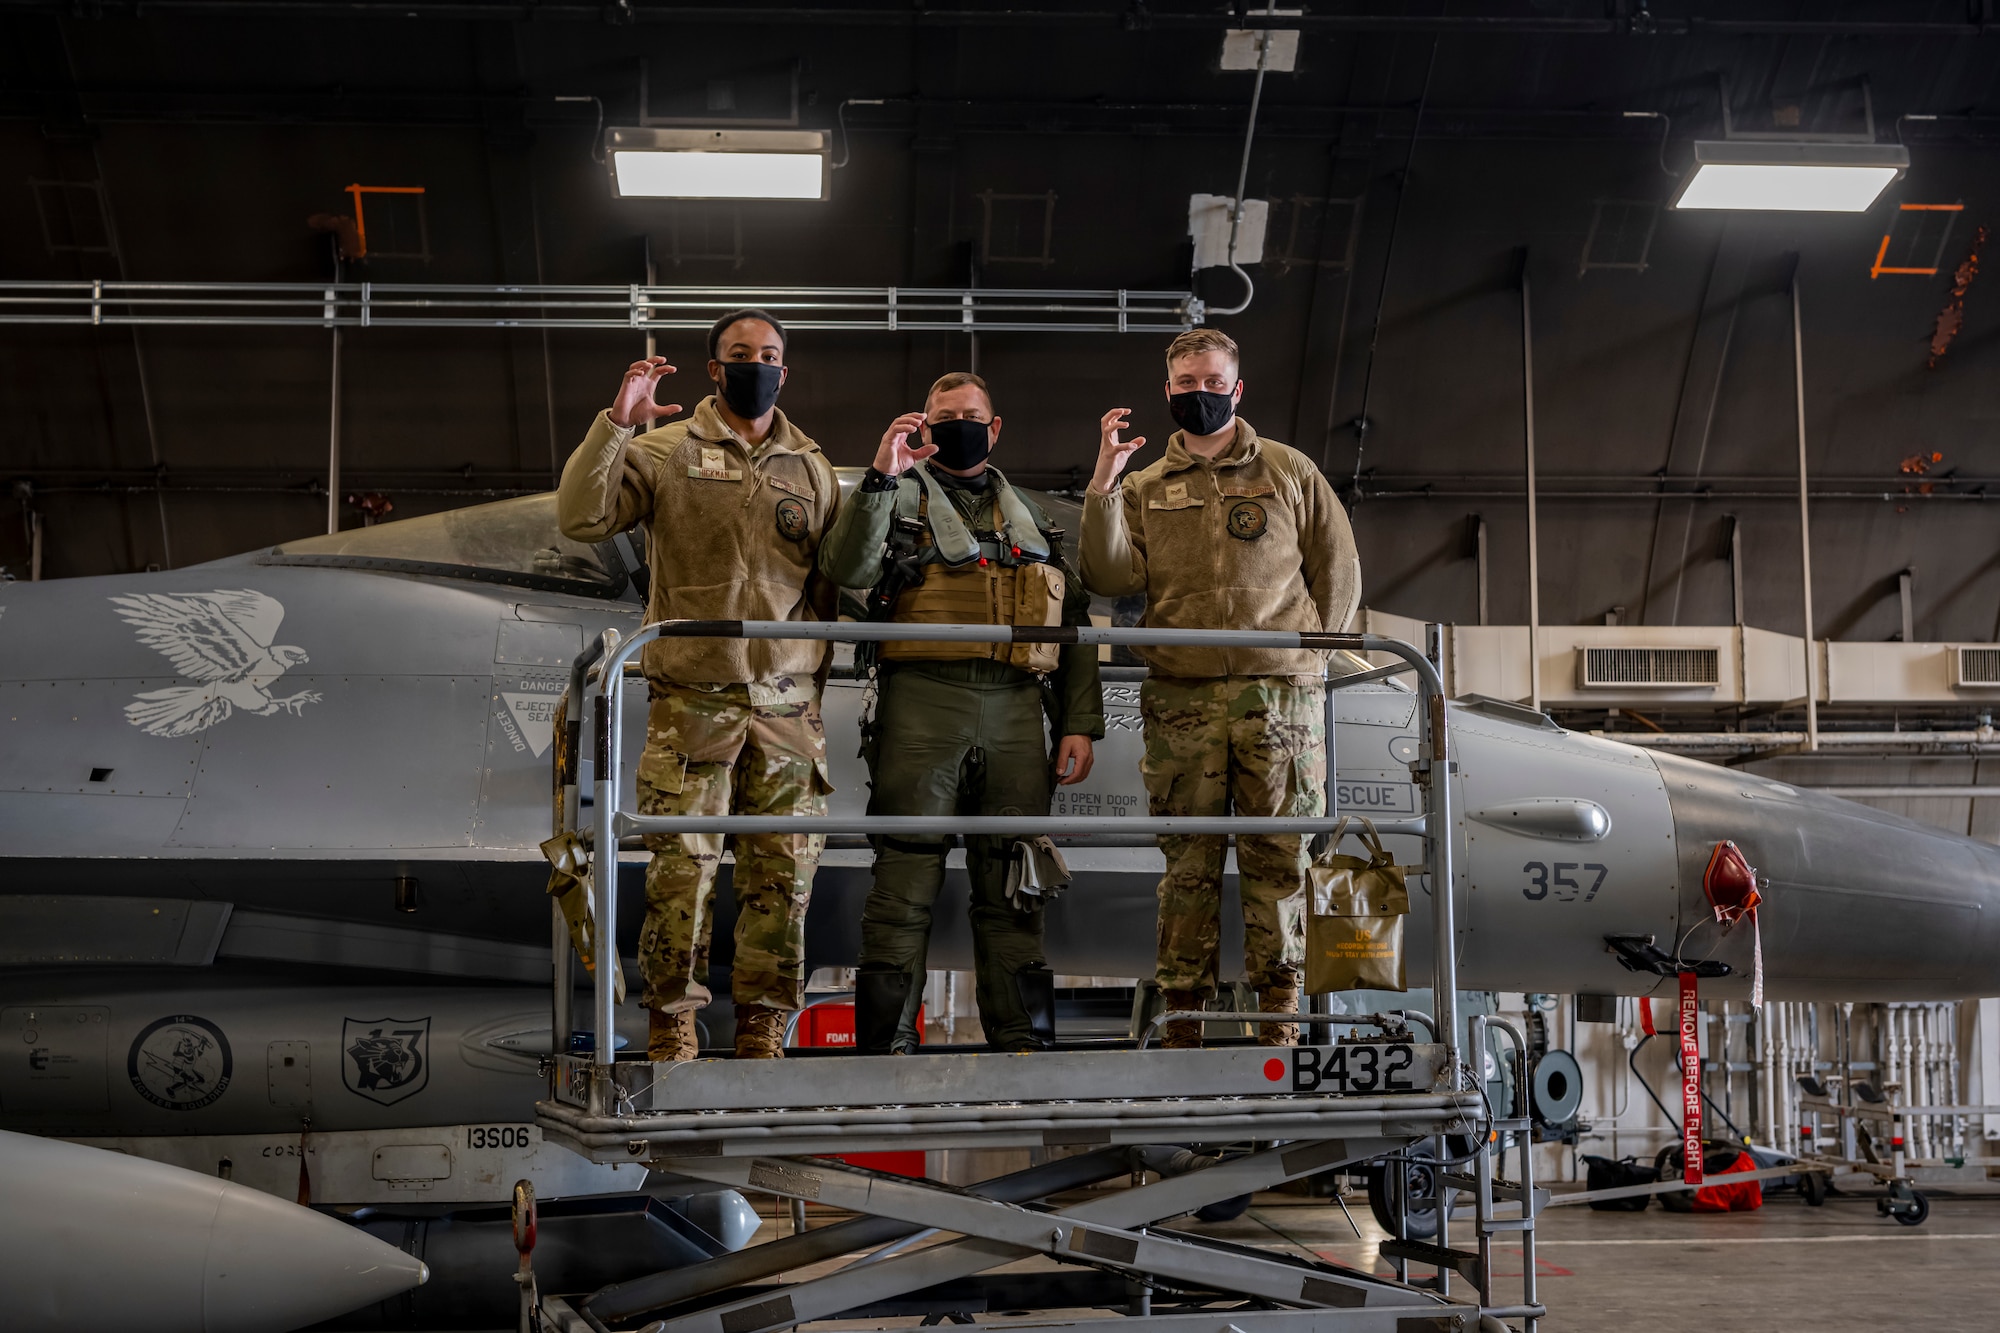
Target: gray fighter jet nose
x,y
98,1240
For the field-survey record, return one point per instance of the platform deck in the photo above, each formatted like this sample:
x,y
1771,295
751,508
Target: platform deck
x,y
731,1108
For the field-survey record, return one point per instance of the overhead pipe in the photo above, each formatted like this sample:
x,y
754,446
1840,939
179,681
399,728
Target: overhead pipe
x,y
1763,740
633,307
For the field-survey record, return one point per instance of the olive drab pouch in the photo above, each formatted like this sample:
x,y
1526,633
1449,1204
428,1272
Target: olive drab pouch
x,y
1354,922
569,885
1038,602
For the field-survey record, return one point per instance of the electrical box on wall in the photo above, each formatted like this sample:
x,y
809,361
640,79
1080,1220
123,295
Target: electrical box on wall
x,y
1242,48
1208,223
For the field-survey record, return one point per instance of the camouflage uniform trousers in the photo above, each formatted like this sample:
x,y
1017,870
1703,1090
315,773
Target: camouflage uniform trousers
x,y
1245,745
730,749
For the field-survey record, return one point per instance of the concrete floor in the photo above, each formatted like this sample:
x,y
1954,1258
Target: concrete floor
x,y
1785,1266
1834,1269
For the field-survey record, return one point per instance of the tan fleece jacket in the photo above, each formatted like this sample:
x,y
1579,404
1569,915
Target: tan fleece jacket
x,y
1254,540
734,536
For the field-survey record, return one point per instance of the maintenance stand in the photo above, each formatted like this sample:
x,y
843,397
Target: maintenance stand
x,y
1256,1117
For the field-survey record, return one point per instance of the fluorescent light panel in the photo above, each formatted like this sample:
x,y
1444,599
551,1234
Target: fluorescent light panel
x,y
700,175
665,162
1786,189
1791,177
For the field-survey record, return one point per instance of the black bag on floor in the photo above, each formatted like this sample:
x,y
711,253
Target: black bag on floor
x,y
1604,1174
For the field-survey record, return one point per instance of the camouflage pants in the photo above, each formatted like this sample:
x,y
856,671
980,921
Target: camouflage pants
x,y
1246,745
730,749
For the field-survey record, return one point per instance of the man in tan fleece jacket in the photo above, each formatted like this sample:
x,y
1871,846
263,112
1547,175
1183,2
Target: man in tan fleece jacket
x,y
737,500
1228,531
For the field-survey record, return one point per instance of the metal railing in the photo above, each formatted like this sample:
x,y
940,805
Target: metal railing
x,y
634,306
604,681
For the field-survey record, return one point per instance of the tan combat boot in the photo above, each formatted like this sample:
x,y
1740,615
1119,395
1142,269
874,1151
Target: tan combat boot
x,y
1182,1034
760,1032
1278,1000
670,1038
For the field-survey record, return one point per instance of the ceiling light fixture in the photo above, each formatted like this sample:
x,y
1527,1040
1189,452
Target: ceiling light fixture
x,y
651,163
1797,177
1788,170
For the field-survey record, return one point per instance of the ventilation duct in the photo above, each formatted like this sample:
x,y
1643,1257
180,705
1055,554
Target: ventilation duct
x,y
1648,668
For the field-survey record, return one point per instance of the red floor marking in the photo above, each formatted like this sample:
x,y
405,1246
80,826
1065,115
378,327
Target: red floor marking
x,y
1543,1268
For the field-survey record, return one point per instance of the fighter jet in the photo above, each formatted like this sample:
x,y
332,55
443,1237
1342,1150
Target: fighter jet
x,y
269,830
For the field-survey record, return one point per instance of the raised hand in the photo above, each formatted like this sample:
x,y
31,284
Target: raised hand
x,y
899,450
1112,452
634,406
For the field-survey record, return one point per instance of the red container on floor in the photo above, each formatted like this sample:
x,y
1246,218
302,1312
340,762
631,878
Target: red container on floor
x,y
833,1025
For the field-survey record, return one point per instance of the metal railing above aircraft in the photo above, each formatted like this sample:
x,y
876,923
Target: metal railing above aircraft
x,y
635,306
600,677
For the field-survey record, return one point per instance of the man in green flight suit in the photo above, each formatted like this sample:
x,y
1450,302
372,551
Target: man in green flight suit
x,y
938,536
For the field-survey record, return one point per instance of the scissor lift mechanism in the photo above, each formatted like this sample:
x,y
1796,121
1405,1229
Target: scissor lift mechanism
x,y
764,1125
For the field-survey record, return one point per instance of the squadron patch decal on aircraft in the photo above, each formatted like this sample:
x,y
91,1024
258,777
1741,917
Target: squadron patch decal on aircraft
x,y
222,639
181,1062
385,1059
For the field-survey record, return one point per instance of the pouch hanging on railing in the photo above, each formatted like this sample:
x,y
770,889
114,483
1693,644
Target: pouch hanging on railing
x,y
569,885
1354,921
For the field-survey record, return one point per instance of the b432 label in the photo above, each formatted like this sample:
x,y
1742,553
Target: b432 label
x,y
1361,1067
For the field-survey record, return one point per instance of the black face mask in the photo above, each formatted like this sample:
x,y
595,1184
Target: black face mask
x,y
961,445
750,387
1199,412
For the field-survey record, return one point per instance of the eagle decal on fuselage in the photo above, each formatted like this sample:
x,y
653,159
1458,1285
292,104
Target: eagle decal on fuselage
x,y
223,641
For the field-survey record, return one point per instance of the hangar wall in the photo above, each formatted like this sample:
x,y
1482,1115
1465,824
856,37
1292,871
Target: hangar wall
x,y
210,165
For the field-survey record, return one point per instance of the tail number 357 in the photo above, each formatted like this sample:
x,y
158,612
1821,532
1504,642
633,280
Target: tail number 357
x,y
1544,879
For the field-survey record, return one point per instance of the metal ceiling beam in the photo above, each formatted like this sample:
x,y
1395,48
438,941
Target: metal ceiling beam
x,y
554,306
1131,17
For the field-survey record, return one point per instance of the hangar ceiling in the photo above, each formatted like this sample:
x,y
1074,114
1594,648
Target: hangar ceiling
x,y
1416,161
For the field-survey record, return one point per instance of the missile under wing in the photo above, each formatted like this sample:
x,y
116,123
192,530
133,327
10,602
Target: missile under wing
x,y
97,1240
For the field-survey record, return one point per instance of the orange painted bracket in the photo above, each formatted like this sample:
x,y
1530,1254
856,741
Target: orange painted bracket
x,y
361,223
1876,269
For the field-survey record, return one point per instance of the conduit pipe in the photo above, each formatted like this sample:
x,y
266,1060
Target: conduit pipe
x,y
1243,176
1761,740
